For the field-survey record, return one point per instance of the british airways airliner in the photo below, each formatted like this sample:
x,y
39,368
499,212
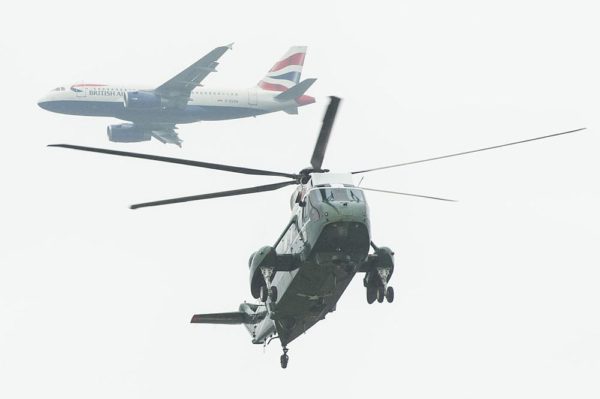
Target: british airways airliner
x,y
183,99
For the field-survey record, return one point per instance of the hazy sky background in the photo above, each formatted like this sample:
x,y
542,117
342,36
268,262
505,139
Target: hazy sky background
x,y
496,295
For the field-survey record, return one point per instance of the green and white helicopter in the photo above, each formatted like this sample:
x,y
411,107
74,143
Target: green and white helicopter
x,y
300,278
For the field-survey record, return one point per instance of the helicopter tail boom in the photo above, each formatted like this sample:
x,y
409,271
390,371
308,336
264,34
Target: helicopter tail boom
x,y
254,317
221,318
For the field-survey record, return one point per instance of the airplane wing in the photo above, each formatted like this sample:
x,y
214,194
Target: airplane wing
x,y
166,134
177,90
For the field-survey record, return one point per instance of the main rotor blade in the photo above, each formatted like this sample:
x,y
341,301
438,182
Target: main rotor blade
x,y
408,194
207,165
220,194
319,152
467,152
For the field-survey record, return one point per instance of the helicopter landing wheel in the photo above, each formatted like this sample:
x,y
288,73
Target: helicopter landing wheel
x,y
371,294
389,294
284,358
263,293
284,361
380,294
273,294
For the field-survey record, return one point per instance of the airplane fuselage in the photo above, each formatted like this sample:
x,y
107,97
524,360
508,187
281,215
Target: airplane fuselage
x,y
204,104
155,112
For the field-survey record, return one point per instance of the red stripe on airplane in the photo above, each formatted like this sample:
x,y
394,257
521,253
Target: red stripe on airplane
x,y
305,100
294,59
270,86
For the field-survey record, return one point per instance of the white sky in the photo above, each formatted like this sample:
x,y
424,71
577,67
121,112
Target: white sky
x,y
496,295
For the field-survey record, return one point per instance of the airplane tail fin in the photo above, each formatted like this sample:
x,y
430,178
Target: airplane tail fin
x,y
286,72
253,317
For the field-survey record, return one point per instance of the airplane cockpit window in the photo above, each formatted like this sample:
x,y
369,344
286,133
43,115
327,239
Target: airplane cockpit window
x,y
337,195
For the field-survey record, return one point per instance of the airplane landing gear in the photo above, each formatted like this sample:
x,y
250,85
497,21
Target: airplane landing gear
x,y
284,358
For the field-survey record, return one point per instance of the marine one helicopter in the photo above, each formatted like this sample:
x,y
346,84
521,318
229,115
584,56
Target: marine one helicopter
x,y
300,278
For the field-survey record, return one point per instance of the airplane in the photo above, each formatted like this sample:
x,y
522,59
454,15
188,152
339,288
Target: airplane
x,y
154,113
299,279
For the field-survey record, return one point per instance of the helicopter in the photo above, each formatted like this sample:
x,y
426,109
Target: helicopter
x,y
327,241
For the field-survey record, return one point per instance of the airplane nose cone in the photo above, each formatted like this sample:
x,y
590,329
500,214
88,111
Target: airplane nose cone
x,y
49,103
42,104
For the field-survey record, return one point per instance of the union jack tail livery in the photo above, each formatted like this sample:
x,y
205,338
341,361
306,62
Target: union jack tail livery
x,y
286,72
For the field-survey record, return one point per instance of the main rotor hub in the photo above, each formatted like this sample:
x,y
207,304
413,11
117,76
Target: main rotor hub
x,y
306,172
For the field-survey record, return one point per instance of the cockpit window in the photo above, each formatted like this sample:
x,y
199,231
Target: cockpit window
x,y
338,195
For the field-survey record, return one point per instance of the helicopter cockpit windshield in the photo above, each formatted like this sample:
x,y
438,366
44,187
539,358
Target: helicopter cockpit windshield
x,y
327,194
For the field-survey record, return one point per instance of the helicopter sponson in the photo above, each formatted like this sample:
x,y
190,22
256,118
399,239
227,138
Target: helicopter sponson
x,y
267,261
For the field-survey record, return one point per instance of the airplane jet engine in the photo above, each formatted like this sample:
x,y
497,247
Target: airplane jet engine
x,y
127,133
141,100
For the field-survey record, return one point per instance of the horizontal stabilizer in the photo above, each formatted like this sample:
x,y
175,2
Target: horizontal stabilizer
x,y
221,318
296,91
